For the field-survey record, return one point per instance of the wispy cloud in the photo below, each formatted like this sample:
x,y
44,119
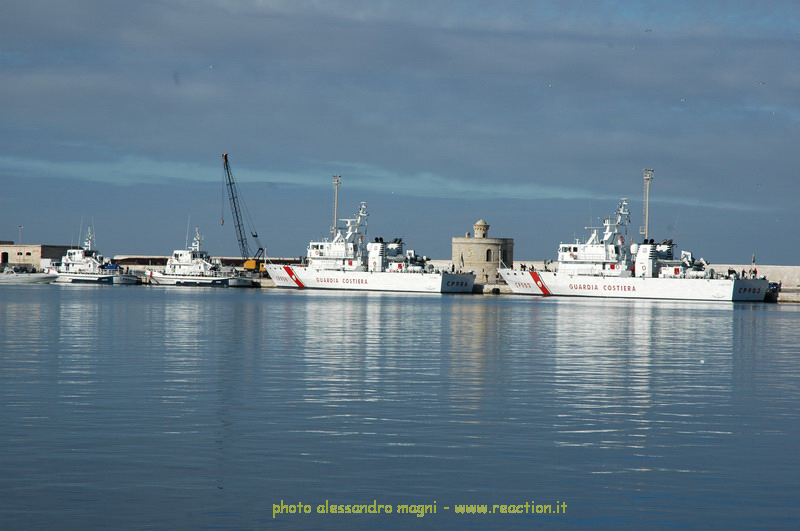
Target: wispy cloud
x,y
359,176
509,99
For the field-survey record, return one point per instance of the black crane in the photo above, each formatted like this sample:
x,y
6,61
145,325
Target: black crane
x,y
237,210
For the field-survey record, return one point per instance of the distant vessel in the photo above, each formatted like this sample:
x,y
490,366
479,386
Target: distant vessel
x,y
195,267
87,266
605,265
349,262
13,275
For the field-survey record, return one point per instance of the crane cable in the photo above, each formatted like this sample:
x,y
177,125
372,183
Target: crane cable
x,y
222,204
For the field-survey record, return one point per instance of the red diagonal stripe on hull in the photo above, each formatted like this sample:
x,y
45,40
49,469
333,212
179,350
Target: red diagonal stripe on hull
x,y
540,283
290,272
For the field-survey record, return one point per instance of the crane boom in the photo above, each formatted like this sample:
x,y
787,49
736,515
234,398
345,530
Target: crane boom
x,y
233,195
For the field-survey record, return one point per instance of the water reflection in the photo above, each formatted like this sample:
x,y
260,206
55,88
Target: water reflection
x,y
473,331
381,370
631,374
23,320
209,405
357,345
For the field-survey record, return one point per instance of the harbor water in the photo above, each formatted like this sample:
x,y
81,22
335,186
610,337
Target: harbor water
x,y
202,408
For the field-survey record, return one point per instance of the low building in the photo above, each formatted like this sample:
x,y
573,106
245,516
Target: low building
x,y
30,256
481,254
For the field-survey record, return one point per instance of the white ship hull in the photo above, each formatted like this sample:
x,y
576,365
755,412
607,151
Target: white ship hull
x,y
548,283
27,278
163,279
126,279
301,277
95,278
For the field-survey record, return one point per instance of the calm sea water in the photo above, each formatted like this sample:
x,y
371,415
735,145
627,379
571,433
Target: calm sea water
x,y
132,407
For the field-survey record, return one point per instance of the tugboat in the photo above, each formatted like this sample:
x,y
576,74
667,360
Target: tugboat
x,y
349,262
86,265
195,267
605,265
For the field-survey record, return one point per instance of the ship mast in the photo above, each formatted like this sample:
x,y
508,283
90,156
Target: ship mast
x,y
648,178
337,180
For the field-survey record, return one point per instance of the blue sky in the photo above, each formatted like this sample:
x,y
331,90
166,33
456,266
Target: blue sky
x,y
536,116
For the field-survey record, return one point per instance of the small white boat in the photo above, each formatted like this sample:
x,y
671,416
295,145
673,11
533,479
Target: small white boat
x,y
86,265
195,267
349,262
13,275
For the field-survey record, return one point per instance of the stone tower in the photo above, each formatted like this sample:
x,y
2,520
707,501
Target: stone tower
x,y
481,254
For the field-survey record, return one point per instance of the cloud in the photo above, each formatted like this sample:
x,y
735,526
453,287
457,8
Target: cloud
x,y
519,99
360,177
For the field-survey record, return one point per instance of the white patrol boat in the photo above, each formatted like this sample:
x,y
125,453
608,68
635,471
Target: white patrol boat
x,y
349,262
606,265
195,267
86,265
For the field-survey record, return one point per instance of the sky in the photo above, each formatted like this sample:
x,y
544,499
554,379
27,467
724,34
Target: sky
x,y
536,116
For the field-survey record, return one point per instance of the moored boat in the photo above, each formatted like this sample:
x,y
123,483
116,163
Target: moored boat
x,y
607,265
349,262
86,265
195,267
15,275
